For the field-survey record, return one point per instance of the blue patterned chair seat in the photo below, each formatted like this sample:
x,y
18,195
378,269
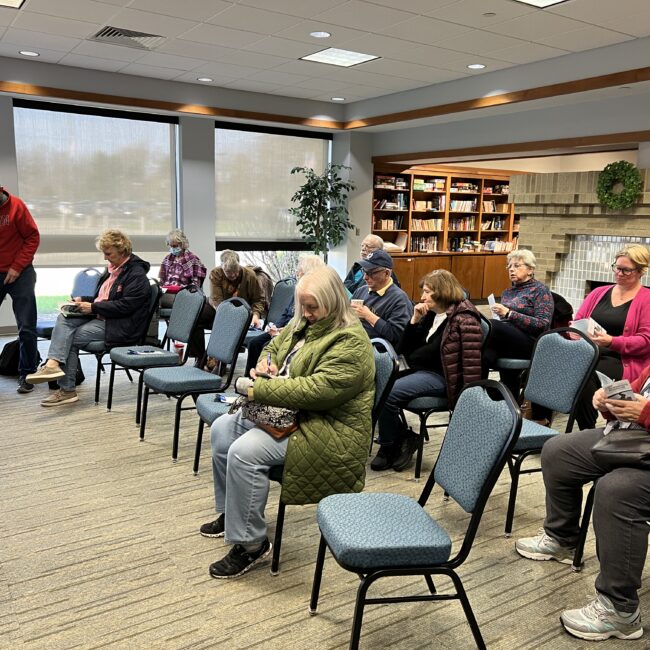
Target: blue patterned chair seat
x,y
44,328
427,403
209,410
181,379
371,530
512,364
533,436
147,356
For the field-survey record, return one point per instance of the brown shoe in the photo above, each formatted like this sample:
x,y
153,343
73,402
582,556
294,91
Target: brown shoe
x,y
59,397
44,374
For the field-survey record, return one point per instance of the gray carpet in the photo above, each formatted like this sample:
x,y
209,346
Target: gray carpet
x,y
99,548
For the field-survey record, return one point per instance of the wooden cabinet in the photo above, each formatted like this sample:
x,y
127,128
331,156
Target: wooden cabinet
x,y
468,270
495,276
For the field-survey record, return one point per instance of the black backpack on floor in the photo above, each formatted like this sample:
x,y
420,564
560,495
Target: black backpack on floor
x,y
9,358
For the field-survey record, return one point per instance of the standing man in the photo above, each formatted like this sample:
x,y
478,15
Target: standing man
x,y
19,240
383,308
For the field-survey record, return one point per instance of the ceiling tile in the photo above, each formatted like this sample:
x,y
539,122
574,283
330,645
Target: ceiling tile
x,y
425,30
54,25
213,68
309,69
327,85
587,38
150,71
470,12
415,6
276,77
92,12
7,15
635,24
199,10
599,13
194,50
121,3
46,56
105,51
33,40
355,14
254,20
528,52
461,65
403,69
293,91
215,35
151,23
535,26
191,77
252,59
283,47
301,32
169,61
252,86
302,8
78,61
379,45
479,42
428,55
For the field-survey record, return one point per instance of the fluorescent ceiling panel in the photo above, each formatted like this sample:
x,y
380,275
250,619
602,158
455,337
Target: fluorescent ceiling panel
x,y
342,58
542,4
14,4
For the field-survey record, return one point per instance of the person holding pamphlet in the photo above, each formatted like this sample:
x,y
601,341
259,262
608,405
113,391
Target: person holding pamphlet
x,y
621,509
618,321
180,268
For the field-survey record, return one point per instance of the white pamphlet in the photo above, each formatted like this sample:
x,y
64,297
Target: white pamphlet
x,y
491,303
588,326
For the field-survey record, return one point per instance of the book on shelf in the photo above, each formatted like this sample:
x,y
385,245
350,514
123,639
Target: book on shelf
x,y
429,185
498,246
462,206
388,223
489,206
386,182
424,243
494,223
464,186
434,205
426,224
462,223
401,240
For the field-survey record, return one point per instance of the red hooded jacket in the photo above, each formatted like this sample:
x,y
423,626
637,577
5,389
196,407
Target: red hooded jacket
x,y
19,236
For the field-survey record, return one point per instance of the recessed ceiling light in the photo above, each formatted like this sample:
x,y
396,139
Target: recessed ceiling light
x,y
476,66
320,34
14,4
205,79
338,99
489,14
541,4
29,53
343,58
625,87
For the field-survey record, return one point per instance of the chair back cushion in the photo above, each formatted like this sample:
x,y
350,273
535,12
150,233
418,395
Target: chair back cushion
x,y
558,370
479,432
385,370
229,328
185,311
85,283
282,293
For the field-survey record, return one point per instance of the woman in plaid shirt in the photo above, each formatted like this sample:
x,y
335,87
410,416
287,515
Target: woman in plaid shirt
x,y
180,268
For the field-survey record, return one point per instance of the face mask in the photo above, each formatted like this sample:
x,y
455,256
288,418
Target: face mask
x,y
175,250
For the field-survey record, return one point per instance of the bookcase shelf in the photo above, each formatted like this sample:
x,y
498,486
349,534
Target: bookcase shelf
x,y
417,196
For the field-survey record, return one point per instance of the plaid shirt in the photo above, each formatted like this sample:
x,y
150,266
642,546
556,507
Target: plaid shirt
x,y
182,270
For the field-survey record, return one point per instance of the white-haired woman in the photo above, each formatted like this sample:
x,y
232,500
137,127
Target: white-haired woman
x,y
525,311
180,267
321,364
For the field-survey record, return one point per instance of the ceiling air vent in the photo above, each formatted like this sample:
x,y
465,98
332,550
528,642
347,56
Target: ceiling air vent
x,y
127,37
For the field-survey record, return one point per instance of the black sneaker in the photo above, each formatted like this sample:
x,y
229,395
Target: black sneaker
x,y
239,560
384,458
24,386
216,528
408,448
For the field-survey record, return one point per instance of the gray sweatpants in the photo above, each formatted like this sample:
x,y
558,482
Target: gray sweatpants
x,y
620,517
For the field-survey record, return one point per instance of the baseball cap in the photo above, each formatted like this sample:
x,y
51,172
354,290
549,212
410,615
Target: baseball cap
x,y
377,259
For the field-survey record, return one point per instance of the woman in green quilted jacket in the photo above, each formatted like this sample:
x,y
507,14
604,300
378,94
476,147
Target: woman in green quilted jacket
x,y
322,364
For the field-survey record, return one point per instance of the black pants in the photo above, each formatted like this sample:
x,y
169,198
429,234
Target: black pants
x,y
586,414
255,348
197,339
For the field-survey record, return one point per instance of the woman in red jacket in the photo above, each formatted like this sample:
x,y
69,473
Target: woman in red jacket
x,y
442,346
620,516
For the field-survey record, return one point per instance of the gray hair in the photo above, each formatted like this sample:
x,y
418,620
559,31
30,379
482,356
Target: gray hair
x,y
178,235
523,255
376,240
308,263
230,261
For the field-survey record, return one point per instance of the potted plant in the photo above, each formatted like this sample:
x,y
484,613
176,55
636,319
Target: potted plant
x,y
321,213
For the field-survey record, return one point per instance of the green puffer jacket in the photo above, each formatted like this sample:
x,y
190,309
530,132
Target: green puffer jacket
x,y
332,384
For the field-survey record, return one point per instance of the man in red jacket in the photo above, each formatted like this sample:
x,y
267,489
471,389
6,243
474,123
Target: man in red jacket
x,y
19,240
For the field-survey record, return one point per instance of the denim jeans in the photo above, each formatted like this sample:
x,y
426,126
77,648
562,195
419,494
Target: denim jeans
x,y
241,458
23,302
68,337
620,516
418,384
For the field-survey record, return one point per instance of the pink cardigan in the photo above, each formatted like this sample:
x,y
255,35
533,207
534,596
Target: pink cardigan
x,y
634,344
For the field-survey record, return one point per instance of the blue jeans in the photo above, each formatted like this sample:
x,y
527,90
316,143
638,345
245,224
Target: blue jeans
x,y
418,384
23,302
241,458
68,337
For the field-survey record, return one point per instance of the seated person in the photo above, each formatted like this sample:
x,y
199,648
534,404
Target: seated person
x,y
228,280
117,314
355,278
620,518
180,268
525,311
323,365
385,309
442,347
306,264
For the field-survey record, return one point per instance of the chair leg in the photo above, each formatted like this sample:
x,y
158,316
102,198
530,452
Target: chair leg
x,y
143,415
277,542
138,406
429,581
584,529
469,613
514,484
318,575
177,428
357,620
111,382
128,374
197,451
423,433
98,378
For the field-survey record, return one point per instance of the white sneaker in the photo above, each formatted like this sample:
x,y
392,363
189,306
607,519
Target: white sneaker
x,y
600,620
543,547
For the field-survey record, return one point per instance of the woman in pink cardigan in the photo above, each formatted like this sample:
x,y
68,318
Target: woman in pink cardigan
x,y
623,310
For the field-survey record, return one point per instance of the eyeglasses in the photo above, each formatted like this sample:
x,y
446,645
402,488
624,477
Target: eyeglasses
x,y
373,272
623,270
514,266
365,247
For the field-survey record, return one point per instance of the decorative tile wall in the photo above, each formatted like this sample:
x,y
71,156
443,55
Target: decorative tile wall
x,y
589,259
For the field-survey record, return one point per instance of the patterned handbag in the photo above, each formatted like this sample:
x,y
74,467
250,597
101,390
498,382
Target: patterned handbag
x,y
277,421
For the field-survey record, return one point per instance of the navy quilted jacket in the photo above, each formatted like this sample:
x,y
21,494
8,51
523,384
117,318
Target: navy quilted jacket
x,y
332,385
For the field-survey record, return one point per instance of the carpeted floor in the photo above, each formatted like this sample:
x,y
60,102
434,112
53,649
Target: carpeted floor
x,y
99,548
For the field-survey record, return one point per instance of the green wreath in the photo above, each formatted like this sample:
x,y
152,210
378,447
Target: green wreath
x,y
619,172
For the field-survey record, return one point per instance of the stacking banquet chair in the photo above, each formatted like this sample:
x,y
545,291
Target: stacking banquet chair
x,y
99,348
385,373
379,535
184,314
231,321
559,370
426,406
282,294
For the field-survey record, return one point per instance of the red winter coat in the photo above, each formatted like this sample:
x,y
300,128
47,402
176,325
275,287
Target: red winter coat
x,y
19,236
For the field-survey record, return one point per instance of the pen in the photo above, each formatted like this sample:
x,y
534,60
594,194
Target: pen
x,y
268,362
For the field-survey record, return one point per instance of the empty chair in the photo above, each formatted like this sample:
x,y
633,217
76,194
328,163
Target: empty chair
x,y
381,535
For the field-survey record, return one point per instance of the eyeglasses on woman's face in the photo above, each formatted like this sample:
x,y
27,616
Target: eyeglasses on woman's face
x,y
623,270
514,265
